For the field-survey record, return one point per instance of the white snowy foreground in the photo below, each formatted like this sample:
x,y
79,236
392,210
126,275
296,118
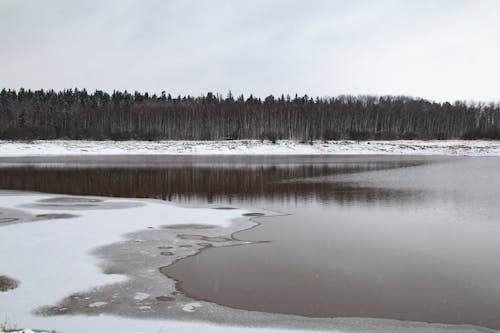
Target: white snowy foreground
x,y
255,147
51,259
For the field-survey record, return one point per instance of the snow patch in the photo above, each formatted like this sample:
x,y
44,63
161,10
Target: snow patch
x,y
253,147
76,268
141,296
191,307
97,304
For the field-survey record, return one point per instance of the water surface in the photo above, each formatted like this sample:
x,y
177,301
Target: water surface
x,y
411,238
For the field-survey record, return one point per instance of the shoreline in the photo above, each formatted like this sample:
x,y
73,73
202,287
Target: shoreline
x,y
249,147
75,241
139,238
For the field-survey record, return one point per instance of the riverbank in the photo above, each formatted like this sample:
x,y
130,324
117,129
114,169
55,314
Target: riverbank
x,y
251,147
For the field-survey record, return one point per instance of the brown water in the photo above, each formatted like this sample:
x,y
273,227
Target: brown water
x,y
406,238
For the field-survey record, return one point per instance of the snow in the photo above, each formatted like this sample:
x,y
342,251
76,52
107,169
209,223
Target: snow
x,y
191,307
52,259
97,304
141,296
255,147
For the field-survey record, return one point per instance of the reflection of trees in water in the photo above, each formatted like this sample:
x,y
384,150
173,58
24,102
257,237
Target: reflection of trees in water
x,y
269,182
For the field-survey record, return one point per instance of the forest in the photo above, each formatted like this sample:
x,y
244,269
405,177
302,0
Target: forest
x,y
78,114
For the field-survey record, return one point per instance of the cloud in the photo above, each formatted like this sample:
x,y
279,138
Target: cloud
x,y
434,49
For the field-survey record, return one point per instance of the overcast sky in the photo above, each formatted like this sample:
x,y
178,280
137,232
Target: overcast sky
x,y
442,50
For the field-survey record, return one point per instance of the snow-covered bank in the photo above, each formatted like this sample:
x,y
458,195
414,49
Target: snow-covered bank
x,y
255,147
51,258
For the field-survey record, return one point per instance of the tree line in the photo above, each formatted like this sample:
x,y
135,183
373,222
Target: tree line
x,y
78,114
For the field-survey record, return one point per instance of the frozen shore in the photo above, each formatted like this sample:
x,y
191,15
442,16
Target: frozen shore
x,y
253,147
52,258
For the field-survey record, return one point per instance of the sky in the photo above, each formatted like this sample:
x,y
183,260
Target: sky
x,y
435,49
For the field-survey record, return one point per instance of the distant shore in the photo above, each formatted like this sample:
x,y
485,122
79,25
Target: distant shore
x,y
250,147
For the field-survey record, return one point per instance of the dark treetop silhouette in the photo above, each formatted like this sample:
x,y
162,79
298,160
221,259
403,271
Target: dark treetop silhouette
x,y
76,114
